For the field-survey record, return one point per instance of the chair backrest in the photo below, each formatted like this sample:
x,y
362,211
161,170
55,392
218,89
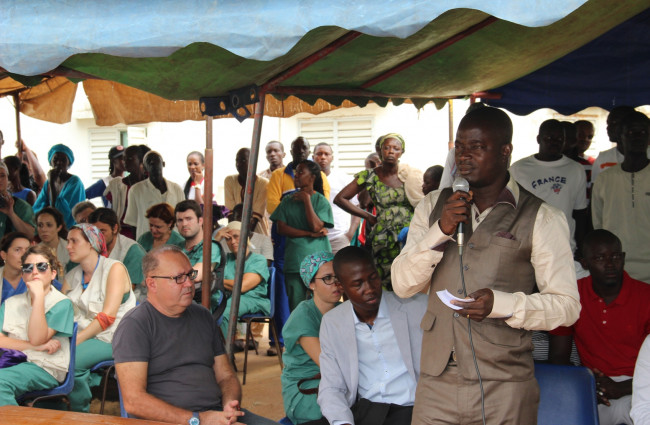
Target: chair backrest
x,y
68,383
123,412
567,395
271,289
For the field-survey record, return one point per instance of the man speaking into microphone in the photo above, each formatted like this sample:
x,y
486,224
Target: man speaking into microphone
x,y
518,272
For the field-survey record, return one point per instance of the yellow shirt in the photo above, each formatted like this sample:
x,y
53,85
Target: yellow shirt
x,y
281,183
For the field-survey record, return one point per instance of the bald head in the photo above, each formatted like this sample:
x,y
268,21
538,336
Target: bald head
x,y
599,236
351,254
151,261
491,120
614,119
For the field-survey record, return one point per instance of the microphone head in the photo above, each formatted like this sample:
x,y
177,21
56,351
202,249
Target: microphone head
x,y
460,184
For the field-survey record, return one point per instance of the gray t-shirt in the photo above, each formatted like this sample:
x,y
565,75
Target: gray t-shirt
x,y
180,353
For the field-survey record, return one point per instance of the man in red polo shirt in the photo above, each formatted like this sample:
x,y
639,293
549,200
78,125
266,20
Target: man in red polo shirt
x,y
613,323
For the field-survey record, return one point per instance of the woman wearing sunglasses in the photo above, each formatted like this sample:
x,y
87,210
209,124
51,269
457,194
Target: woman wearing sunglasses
x,y
101,293
301,343
38,322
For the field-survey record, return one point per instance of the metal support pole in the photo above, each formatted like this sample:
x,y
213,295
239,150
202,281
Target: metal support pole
x,y
207,216
450,144
246,220
19,138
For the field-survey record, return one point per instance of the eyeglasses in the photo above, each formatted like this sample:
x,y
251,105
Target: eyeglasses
x,y
181,278
29,268
328,279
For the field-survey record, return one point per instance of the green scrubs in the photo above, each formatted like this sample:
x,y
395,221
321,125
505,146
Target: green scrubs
x,y
196,253
304,321
22,210
26,377
89,353
133,263
255,300
146,240
293,214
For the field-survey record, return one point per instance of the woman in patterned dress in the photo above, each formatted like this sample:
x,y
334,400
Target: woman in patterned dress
x,y
395,190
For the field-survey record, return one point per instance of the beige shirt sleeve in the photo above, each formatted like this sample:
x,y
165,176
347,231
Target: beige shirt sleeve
x,y
259,196
131,216
411,271
229,187
557,303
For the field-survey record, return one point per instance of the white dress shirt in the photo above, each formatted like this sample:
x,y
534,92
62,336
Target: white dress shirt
x,y
640,412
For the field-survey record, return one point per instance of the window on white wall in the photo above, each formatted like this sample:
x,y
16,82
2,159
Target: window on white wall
x,y
350,138
103,139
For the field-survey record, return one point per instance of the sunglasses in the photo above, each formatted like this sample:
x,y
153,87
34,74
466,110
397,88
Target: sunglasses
x,y
29,268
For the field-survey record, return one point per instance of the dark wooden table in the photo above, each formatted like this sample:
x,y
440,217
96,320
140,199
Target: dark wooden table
x,y
19,415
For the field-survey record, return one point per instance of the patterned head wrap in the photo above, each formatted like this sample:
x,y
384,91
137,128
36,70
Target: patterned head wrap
x,y
395,136
60,148
312,263
95,237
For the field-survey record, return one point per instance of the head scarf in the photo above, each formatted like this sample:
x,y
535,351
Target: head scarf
x,y
95,237
310,265
396,136
236,225
60,148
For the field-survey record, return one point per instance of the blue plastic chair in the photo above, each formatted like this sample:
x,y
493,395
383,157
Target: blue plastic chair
x,y
106,367
62,390
567,395
123,412
262,318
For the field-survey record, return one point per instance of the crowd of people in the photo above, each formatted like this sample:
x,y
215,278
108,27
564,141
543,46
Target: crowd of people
x,y
551,260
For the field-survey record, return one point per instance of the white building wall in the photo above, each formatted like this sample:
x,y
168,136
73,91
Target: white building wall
x,y
426,133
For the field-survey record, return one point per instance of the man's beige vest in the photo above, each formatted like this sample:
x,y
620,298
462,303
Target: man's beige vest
x,y
496,256
16,321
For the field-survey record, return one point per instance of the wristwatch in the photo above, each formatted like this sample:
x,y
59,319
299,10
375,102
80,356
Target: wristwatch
x,y
194,420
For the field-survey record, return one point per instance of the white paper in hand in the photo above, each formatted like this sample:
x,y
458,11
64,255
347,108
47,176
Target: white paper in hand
x,y
446,297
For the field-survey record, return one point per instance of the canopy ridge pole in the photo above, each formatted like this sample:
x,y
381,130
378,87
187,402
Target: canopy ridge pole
x,y
435,49
308,61
207,216
246,220
62,71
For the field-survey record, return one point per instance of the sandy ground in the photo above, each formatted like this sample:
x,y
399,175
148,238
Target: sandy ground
x,y
262,393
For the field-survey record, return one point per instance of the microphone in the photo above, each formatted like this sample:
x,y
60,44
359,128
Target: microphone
x,y
460,184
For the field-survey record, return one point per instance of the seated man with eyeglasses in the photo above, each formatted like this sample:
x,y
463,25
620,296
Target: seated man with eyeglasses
x,y
170,361
613,324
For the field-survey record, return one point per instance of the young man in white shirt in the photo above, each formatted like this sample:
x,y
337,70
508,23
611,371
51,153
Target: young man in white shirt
x,y
556,179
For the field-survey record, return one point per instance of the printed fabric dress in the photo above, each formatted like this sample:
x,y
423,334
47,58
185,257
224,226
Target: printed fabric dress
x,y
394,212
